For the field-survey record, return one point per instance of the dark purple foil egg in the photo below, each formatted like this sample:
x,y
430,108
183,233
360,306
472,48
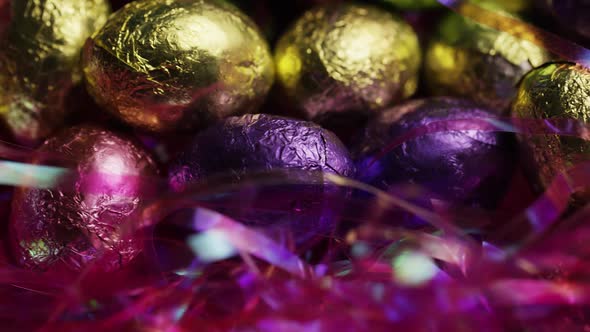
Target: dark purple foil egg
x,y
78,221
471,166
260,142
240,146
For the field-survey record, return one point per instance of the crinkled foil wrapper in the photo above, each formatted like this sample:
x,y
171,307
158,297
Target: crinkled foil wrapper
x,y
242,146
469,167
553,91
39,57
174,65
260,142
470,60
81,220
348,57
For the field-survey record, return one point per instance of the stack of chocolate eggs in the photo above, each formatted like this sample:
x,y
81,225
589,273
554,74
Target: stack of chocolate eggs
x,y
200,78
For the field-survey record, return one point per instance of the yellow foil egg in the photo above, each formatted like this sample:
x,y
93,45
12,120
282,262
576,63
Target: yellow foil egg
x,y
170,65
554,91
347,57
471,60
39,57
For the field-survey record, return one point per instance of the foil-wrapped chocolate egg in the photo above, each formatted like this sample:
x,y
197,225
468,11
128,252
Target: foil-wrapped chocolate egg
x,y
554,91
177,65
347,57
467,59
470,167
259,142
240,146
80,220
39,56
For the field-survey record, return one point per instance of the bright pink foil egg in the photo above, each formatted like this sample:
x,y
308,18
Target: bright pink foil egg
x,y
81,219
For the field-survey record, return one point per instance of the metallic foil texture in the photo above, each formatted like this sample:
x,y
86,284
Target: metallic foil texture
x,y
253,143
553,91
470,60
39,57
469,167
244,145
79,221
347,58
177,65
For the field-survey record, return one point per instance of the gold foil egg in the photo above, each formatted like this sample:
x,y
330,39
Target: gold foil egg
x,y
553,91
39,56
468,59
347,57
169,65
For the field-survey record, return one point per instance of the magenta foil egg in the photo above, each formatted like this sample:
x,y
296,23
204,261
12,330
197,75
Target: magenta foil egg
x,y
80,220
240,146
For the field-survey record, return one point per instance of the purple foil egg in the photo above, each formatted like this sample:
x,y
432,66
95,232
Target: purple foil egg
x,y
472,167
240,146
260,142
80,220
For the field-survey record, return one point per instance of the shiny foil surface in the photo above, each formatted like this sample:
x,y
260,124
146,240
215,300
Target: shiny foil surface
x,y
79,221
553,91
260,142
467,167
347,57
241,146
39,57
169,65
467,59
